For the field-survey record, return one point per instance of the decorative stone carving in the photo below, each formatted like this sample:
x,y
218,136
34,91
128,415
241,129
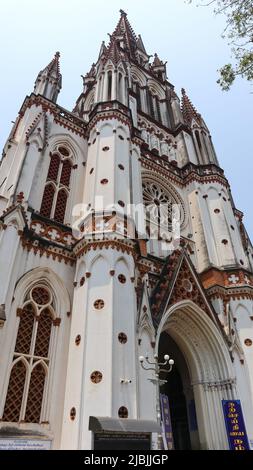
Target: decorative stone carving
x,y
145,135
164,148
154,143
96,376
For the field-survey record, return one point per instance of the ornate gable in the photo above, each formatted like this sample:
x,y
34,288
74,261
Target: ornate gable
x,y
179,281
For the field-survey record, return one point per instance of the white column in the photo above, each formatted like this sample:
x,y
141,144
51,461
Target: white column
x,y
224,441
75,372
98,89
105,87
216,413
203,419
211,420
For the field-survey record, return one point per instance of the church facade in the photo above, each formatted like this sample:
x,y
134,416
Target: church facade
x,y
89,277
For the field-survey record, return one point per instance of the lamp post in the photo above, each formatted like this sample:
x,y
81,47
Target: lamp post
x,y
157,367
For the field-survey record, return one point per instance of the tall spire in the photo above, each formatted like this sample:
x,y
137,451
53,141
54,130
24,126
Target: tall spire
x,y
123,41
49,80
188,110
54,66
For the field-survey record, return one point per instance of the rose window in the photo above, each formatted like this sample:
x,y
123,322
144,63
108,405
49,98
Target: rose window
x,y
41,295
158,203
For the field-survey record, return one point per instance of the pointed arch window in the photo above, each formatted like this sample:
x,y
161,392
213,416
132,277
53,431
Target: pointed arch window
x,y
54,167
120,90
56,192
35,394
15,392
109,94
200,148
31,359
137,91
66,172
47,200
60,207
154,108
151,104
138,96
100,90
158,110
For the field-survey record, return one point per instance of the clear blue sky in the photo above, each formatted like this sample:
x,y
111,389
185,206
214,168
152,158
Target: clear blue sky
x,y
186,36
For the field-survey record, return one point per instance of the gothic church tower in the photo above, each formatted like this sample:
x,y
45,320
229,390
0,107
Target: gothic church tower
x,y
85,290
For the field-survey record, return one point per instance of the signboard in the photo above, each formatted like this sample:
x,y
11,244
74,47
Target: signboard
x,y
122,441
236,431
24,444
166,422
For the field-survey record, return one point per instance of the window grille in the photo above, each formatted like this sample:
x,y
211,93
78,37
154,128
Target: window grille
x,y
31,358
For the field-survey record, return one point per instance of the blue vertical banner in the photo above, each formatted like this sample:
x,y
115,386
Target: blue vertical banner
x,y
166,422
236,431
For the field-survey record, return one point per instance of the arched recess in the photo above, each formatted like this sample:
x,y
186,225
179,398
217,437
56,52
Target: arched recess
x,y
98,259
138,76
47,277
126,261
156,89
106,130
243,315
89,102
66,140
80,271
37,327
210,368
122,131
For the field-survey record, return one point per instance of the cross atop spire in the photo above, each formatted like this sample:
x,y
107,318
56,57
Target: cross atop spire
x,y
188,110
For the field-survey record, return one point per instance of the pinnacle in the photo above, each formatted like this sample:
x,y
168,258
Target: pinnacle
x,y
188,110
157,61
52,75
125,31
54,65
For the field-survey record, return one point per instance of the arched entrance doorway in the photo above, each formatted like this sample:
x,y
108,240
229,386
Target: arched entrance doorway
x,y
203,376
181,397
